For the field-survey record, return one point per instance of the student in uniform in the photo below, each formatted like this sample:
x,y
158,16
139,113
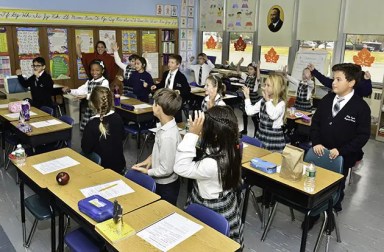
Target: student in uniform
x,y
201,69
97,72
342,120
304,89
176,80
40,83
140,80
251,80
272,110
162,160
362,88
216,168
214,91
104,132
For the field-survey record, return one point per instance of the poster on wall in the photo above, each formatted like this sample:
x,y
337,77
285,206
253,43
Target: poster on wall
x,y
240,15
5,69
183,12
153,59
81,74
149,41
59,65
183,22
26,65
159,9
212,16
86,39
129,41
109,37
57,40
3,40
28,40
167,10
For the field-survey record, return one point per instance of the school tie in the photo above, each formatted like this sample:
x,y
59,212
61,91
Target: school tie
x,y
336,107
169,81
200,74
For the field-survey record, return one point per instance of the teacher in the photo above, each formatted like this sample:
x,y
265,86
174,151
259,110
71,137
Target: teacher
x,y
99,54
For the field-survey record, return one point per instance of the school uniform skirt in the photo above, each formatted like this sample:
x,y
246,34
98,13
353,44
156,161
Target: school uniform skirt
x,y
226,205
303,104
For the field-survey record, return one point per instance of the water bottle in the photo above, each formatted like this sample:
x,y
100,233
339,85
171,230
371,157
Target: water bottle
x,y
25,107
310,180
20,155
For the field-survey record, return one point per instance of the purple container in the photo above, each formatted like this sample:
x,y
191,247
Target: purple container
x,y
25,110
117,100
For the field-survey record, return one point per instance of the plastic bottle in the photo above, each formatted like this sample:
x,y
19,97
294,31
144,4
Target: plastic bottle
x,y
310,180
20,155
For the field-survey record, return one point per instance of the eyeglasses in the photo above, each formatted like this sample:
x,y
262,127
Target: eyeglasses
x,y
35,66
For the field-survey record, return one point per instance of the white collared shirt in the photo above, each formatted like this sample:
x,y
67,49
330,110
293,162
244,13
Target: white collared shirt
x,y
83,89
172,79
206,69
343,102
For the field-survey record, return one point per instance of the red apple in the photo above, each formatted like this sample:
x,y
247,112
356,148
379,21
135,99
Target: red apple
x,y
62,178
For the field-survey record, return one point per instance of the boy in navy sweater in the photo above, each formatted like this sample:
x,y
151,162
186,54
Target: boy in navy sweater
x,y
342,121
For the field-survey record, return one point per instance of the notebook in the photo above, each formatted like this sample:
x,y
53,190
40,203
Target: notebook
x,y
110,231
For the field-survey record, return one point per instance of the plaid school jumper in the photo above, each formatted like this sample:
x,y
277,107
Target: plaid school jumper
x,y
250,82
273,139
302,103
226,205
88,113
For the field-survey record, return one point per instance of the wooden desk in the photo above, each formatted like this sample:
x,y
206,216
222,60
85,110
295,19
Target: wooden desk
x,y
197,90
207,239
43,135
327,182
227,96
67,197
137,115
39,182
301,122
6,101
252,151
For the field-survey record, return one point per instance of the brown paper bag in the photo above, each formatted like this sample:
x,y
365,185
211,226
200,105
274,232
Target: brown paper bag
x,y
292,164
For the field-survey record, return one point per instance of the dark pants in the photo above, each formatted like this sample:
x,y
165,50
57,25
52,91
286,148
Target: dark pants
x,y
169,192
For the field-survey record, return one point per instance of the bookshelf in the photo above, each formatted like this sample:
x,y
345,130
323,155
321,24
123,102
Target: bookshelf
x,y
168,46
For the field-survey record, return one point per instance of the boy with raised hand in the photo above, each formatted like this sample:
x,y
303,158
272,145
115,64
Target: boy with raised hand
x,y
201,69
342,120
159,164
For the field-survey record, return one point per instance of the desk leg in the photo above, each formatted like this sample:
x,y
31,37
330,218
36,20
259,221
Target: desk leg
x,y
53,224
61,231
3,142
305,232
245,203
22,211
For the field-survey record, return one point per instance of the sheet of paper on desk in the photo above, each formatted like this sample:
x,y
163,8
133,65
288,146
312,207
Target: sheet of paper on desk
x,y
55,165
46,123
170,231
3,106
245,145
16,115
108,190
124,98
142,106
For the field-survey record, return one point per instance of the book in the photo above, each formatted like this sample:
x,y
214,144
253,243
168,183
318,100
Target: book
x,y
113,232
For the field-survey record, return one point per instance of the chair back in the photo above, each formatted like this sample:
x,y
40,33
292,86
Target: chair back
x,y
131,95
335,165
209,217
93,156
144,180
212,59
68,120
47,110
252,140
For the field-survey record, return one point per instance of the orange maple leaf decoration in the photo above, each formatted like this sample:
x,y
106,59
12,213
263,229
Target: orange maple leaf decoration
x,y
211,43
271,56
363,58
240,45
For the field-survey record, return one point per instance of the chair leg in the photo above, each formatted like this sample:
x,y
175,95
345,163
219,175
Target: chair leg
x,y
270,219
327,243
318,241
142,149
257,207
336,227
292,214
30,236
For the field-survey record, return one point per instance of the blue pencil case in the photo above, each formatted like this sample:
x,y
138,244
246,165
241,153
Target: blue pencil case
x,y
264,166
127,107
96,207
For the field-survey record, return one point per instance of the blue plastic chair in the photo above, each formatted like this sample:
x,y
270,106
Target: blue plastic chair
x,y
66,143
209,217
252,140
47,110
144,180
93,156
79,241
335,165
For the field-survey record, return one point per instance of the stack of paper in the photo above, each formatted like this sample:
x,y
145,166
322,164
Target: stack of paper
x,y
45,123
55,165
142,106
108,190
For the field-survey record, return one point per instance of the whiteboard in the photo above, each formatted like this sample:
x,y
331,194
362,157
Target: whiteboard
x,y
320,59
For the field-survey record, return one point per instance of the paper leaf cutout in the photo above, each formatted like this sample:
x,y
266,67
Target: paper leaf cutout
x,y
240,45
271,56
364,58
211,43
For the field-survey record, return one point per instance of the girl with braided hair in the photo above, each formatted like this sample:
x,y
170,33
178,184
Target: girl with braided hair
x,y
216,168
104,132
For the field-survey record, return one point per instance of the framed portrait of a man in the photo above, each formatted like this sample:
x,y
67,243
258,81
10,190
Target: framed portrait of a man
x,y
275,18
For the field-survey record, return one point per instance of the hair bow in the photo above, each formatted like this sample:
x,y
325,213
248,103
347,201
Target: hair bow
x,y
101,64
254,64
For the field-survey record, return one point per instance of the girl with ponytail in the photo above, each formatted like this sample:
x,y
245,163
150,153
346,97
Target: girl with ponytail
x,y
104,132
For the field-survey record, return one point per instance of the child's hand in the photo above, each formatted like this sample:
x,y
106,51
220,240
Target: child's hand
x,y
114,46
367,75
205,58
334,153
196,125
119,77
143,166
311,67
145,84
246,92
65,89
319,149
145,54
153,87
265,95
191,59
285,70
241,61
18,72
